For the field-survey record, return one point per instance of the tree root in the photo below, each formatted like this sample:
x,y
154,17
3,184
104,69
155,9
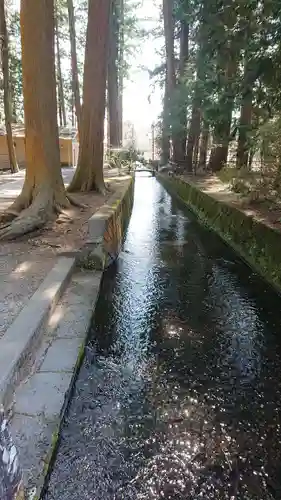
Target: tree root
x,y
7,217
76,203
22,225
34,215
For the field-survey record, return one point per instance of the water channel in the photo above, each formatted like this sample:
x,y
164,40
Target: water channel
x,y
179,395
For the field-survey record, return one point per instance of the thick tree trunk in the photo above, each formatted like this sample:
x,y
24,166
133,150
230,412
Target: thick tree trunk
x,y
121,70
89,172
194,133
59,75
169,44
112,79
219,152
43,194
165,135
169,31
245,121
180,139
243,146
7,90
196,150
204,146
228,62
72,110
74,64
195,121
218,157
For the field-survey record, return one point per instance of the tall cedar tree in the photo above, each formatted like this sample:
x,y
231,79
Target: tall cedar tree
x,y
60,82
43,194
112,77
7,88
74,64
89,172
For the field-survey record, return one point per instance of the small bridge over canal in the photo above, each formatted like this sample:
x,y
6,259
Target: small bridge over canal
x,y
145,168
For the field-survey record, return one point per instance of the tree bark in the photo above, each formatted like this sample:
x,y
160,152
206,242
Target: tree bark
x,y
43,194
121,69
59,74
169,44
195,121
204,146
228,62
196,148
165,135
169,31
245,121
194,131
74,64
7,89
89,172
112,79
180,139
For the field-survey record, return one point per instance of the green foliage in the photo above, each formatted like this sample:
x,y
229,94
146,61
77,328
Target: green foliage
x,y
124,158
232,75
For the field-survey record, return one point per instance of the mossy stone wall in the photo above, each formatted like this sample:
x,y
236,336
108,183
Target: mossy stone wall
x,y
258,244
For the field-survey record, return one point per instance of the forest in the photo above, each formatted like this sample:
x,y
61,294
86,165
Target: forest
x,y
221,79
64,64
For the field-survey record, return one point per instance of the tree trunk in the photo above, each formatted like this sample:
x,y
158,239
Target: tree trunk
x,y
204,146
169,44
228,63
59,107
194,131
165,135
196,149
7,90
180,139
74,64
169,31
121,69
245,121
112,79
59,74
72,110
89,172
43,194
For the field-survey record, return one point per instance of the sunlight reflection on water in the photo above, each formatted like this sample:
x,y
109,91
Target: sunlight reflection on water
x,y
180,397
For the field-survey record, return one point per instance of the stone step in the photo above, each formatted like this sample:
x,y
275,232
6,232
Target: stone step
x,y
41,399
19,342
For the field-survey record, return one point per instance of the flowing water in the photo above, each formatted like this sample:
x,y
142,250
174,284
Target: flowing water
x,y
179,393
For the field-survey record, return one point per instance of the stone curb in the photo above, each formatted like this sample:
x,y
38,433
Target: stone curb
x,y
54,350
19,341
42,399
97,223
96,255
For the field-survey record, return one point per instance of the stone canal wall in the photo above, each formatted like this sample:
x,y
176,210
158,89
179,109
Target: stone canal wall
x,y
107,228
258,244
48,346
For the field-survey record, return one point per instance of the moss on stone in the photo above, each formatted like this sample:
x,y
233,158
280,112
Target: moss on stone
x,y
255,242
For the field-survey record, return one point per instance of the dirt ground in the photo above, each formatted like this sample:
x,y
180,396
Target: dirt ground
x,y
24,263
270,215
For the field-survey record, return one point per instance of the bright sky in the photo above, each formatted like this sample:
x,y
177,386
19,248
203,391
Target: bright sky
x,y
137,108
